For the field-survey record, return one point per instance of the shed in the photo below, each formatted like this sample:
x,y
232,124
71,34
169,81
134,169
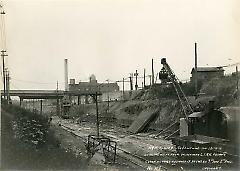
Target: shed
x,y
207,73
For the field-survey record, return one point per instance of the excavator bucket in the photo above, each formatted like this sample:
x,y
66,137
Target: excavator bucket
x,y
163,61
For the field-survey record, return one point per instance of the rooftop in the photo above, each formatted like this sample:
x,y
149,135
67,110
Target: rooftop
x,y
208,69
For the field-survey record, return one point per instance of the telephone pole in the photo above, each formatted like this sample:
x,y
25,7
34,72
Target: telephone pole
x,y
123,88
144,81
58,109
108,95
237,76
8,86
3,46
150,80
97,119
196,74
152,73
131,83
123,81
4,74
136,75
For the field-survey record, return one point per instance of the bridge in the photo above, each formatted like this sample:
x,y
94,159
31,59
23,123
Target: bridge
x,y
36,94
48,94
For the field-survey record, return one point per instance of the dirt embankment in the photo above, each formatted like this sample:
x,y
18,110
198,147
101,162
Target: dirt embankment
x,y
27,143
164,99
123,113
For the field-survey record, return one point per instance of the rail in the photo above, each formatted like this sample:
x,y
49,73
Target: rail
x,y
133,158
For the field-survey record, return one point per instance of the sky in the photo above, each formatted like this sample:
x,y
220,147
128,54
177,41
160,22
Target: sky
x,y
113,38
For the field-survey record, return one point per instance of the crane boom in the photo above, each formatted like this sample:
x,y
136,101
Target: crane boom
x,y
186,107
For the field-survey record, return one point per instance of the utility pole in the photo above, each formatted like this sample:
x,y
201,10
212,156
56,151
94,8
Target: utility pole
x,y
8,86
131,82
33,105
136,75
123,88
108,95
150,79
196,74
3,45
152,73
57,101
97,121
21,101
4,75
237,76
78,100
144,81
41,105
156,78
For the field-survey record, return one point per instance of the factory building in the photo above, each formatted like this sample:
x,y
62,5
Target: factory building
x,y
93,85
110,91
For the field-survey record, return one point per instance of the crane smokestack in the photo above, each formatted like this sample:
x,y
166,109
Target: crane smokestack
x,y
66,74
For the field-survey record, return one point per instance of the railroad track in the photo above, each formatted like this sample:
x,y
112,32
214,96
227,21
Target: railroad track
x,y
135,159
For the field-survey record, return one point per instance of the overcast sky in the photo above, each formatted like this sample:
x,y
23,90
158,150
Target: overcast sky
x,y
112,38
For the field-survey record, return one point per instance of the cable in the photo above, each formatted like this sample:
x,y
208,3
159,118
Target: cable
x,y
3,31
33,82
13,85
231,65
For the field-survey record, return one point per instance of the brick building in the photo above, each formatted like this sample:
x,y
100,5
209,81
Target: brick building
x,y
110,91
93,85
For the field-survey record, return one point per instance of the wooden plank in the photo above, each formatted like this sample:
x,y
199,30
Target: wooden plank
x,y
142,120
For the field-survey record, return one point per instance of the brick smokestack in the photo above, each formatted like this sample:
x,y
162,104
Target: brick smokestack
x,y
66,74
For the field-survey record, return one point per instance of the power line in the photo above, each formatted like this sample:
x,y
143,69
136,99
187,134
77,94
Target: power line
x,y
33,82
2,25
231,65
13,85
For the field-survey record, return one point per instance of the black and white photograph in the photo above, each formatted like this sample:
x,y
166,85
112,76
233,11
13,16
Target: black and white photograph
x,y
120,85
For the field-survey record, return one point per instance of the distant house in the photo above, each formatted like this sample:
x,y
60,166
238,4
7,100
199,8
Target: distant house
x,y
207,73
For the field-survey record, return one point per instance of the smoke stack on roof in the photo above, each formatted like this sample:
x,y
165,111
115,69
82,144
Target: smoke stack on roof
x,y
92,79
72,81
66,74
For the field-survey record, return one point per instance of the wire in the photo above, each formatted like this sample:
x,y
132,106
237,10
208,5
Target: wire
x,y
33,82
3,30
13,85
231,65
